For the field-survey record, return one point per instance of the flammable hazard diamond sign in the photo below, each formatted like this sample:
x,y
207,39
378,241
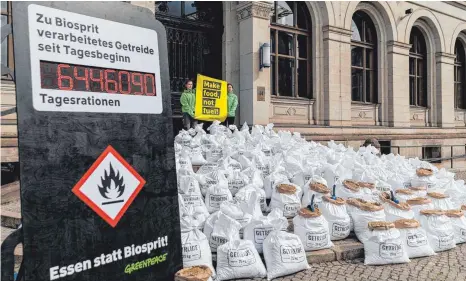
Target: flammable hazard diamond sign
x,y
109,186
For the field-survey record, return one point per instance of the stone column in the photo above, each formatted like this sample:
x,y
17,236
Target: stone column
x,y
145,4
337,75
398,84
444,93
254,19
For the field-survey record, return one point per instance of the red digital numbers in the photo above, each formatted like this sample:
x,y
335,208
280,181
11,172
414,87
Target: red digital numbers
x,y
69,77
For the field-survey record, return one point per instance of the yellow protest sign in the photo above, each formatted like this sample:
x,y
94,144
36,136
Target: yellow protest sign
x,y
211,99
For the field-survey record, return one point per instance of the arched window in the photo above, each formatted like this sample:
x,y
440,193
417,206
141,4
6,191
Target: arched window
x,y
460,75
290,40
417,69
363,59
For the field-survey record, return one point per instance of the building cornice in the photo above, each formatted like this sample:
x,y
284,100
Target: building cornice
x,y
254,9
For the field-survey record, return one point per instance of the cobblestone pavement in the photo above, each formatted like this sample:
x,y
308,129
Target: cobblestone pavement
x,y
445,266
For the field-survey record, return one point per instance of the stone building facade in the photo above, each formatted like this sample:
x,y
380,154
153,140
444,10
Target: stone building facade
x,y
351,70
339,70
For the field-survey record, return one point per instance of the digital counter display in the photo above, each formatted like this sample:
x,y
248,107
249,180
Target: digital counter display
x,y
70,77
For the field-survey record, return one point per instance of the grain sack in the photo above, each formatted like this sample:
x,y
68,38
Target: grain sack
x,y
284,254
363,213
312,228
195,246
418,204
184,161
245,193
334,211
440,201
239,259
216,195
215,178
348,189
224,229
242,212
315,186
458,221
196,156
191,194
236,181
287,197
214,154
419,191
424,177
260,227
384,245
415,239
405,194
439,229
395,210
277,176
195,273
334,174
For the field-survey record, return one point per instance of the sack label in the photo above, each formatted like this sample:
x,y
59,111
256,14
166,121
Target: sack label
x,y
192,200
265,169
196,150
316,239
216,241
407,184
262,203
260,233
235,166
191,251
416,239
215,200
267,152
216,153
390,250
463,232
241,257
236,185
340,229
292,253
446,241
430,185
291,209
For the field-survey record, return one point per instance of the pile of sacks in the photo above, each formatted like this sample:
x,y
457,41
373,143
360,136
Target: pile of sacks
x,y
249,182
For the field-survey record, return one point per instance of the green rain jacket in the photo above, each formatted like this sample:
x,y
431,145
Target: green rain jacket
x,y
188,101
232,104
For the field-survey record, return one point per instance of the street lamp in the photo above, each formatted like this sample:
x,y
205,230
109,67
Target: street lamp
x,y
264,52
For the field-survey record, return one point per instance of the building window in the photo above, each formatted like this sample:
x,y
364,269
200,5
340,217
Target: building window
x,y
7,44
432,152
417,69
385,147
363,59
460,75
290,42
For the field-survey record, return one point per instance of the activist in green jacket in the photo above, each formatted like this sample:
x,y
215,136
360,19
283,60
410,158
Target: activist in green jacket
x,y
232,104
188,103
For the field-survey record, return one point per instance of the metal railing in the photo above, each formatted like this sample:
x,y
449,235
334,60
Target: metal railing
x,y
431,160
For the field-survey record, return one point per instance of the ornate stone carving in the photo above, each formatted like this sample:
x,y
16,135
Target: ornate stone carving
x,y
362,114
254,9
291,111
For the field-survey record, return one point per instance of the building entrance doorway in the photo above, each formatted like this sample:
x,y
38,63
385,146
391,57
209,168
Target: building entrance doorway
x,y
194,39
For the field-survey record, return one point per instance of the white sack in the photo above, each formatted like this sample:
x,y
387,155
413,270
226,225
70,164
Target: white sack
x,y
308,192
278,176
384,247
244,195
440,232
216,195
361,218
416,243
236,181
225,229
239,259
288,203
284,254
196,249
313,232
459,227
398,211
339,223
260,227
418,207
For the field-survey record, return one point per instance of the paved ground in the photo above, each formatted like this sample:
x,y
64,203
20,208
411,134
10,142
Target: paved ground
x,y
446,266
